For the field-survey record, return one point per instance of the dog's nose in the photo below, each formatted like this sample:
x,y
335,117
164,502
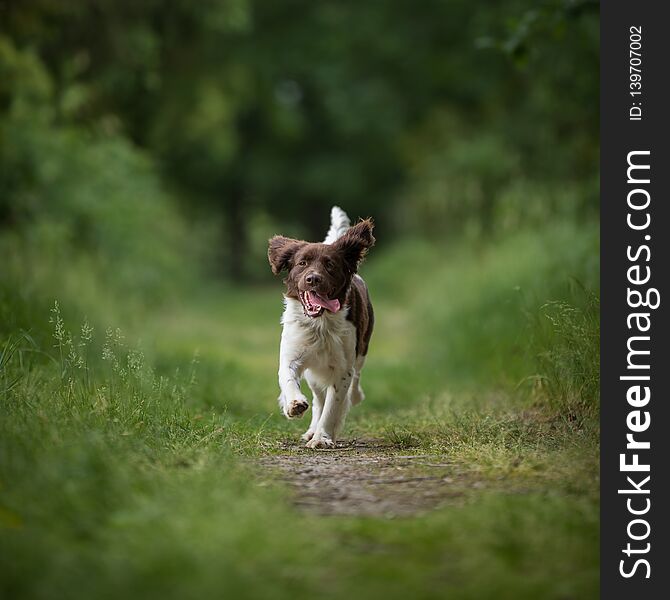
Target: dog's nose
x,y
313,279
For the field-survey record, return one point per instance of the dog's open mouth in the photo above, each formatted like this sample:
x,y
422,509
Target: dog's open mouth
x,y
314,304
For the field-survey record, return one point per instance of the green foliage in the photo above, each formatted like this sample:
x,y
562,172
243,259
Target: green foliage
x,y
242,109
568,346
97,197
81,211
476,298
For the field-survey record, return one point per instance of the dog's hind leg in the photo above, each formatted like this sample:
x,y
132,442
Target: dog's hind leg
x,y
318,400
333,414
356,395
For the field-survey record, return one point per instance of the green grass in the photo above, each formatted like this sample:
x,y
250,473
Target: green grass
x,y
125,464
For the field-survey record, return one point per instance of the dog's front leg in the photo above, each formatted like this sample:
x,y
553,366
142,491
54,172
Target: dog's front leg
x,y
291,367
333,415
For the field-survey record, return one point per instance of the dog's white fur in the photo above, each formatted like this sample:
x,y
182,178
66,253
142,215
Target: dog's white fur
x,y
323,351
339,223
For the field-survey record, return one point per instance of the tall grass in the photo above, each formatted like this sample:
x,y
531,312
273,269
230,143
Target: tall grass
x,y
112,485
567,343
126,468
116,482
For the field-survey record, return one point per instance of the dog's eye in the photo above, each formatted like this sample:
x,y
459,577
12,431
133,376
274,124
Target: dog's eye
x,y
302,263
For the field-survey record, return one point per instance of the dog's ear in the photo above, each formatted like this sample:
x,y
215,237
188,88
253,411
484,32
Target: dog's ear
x,y
355,243
281,251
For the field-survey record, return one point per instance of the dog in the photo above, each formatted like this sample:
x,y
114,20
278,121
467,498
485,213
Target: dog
x,y
327,324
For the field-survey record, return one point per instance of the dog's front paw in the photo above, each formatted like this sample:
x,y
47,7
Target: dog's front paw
x,y
320,441
295,408
308,435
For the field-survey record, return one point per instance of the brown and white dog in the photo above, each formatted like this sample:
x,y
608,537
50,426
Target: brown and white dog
x,y
327,324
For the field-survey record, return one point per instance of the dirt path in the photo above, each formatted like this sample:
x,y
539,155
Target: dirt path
x,y
368,478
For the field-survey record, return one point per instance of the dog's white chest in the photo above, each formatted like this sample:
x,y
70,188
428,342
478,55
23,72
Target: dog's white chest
x,y
325,345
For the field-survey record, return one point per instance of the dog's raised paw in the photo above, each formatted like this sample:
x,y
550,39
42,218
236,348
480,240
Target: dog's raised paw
x,y
308,435
296,408
320,441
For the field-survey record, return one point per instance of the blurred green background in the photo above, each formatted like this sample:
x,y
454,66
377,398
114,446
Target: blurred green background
x,y
148,150
163,137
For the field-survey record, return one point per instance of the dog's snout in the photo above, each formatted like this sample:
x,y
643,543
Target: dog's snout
x,y
313,279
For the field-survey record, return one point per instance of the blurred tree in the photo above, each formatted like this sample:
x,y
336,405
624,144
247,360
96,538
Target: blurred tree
x,y
288,107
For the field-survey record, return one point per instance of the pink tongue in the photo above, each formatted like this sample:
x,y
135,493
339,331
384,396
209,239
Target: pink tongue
x,y
331,305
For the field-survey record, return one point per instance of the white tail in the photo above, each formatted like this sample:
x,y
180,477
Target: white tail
x,y
339,223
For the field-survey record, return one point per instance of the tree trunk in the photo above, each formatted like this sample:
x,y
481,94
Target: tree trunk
x,y
316,215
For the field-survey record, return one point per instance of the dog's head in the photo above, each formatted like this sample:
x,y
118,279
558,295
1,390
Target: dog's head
x,y
319,275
